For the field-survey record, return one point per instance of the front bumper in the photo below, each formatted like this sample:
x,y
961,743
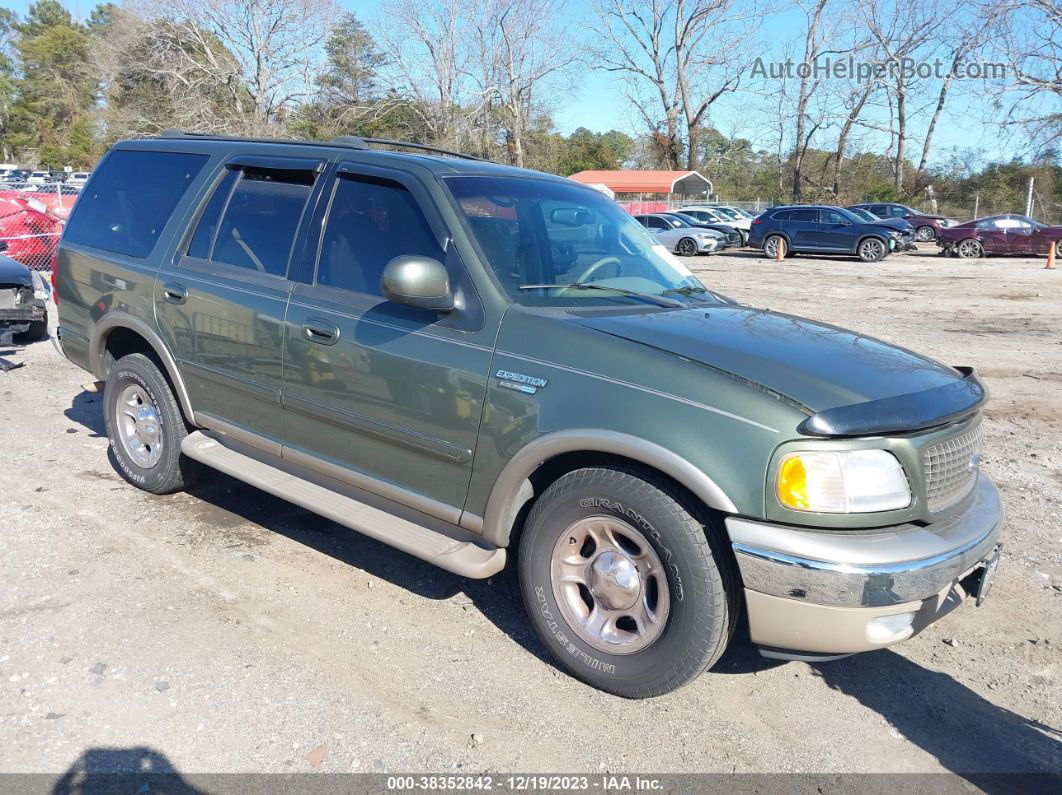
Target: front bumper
x,y
710,245
822,591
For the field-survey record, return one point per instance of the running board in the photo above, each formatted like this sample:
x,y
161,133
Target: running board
x,y
460,557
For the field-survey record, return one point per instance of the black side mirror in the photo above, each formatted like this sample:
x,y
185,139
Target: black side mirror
x,y
417,281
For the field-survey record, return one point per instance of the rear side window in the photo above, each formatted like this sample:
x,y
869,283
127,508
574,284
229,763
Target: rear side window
x,y
370,222
782,215
804,215
251,219
131,199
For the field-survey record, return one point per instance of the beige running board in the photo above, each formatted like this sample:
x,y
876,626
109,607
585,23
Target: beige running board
x,y
461,557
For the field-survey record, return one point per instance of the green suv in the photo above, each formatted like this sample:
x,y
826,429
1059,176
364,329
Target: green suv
x,y
465,360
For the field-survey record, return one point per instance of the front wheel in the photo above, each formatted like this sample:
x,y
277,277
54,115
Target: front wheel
x,y
629,590
871,250
970,249
687,247
924,234
145,427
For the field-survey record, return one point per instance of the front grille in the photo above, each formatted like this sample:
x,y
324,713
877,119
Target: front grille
x,y
951,469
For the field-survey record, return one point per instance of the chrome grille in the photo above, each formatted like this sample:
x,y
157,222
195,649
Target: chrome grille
x,y
951,469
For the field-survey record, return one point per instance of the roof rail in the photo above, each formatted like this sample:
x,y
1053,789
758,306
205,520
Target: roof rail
x,y
349,141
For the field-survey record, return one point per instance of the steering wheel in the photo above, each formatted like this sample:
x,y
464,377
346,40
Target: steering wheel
x,y
609,260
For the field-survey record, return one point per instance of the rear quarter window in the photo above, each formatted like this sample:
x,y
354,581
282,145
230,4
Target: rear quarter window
x,y
130,199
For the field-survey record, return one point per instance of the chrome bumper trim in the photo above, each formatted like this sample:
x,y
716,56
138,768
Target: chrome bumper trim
x,y
866,568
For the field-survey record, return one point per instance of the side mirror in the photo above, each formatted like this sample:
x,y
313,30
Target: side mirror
x,y
417,281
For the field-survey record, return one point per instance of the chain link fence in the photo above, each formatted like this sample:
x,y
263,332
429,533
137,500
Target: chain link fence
x,y
31,220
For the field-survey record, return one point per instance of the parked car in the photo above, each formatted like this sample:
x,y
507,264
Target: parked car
x,y
906,241
23,301
711,215
1000,234
78,178
482,362
731,236
927,226
806,229
57,176
680,237
38,178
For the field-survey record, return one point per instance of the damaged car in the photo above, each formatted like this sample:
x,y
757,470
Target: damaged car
x,y
23,301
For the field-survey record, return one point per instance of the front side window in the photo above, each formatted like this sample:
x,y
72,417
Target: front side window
x,y
251,219
832,217
535,232
370,222
131,200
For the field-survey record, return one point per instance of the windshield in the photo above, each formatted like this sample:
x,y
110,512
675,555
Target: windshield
x,y
552,239
727,212
866,215
688,220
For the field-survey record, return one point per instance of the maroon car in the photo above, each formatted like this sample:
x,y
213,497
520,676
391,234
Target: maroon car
x,y
1000,234
926,226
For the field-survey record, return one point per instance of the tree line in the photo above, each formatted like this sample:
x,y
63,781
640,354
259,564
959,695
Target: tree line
x,y
488,77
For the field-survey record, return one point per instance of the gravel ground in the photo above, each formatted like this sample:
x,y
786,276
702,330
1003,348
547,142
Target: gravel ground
x,y
225,630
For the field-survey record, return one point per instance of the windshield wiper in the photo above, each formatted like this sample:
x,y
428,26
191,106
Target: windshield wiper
x,y
690,289
656,299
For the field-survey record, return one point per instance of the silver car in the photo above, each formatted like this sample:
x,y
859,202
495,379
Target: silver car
x,y
682,240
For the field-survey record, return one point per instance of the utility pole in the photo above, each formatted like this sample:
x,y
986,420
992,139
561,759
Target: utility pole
x,y
1028,198
977,203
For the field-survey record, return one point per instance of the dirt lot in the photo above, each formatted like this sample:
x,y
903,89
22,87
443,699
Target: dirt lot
x,y
225,630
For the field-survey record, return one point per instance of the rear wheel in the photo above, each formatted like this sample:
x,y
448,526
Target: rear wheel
x,y
970,249
145,427
687,247
871,250
624,584
772,244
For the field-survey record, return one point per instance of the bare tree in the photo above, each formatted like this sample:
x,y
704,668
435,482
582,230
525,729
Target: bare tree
x,y
523,54
277,46
1028,36
680,57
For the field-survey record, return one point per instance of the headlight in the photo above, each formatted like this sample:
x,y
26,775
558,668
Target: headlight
x,y
842,481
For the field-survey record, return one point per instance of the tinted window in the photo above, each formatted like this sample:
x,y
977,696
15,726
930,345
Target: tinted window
x,y
804,215
370,222
131,199
263,214
897,211
781,215
880,210
831,217
657,223
208,221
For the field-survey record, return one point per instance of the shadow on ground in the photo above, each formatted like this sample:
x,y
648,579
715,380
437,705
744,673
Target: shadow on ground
x,y
86,410
109,770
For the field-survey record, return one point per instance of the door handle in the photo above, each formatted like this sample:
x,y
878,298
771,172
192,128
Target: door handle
x,y
174,293
320,332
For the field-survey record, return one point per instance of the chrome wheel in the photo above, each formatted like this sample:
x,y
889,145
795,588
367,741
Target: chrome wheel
x,y
139,426
969,249
770,246
924,234
610,585
871,250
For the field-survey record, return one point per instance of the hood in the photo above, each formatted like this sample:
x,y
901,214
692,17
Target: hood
x,y
892,223
816,365
934,216
12,272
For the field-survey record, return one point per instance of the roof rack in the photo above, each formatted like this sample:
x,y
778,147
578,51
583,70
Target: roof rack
x,y
349,141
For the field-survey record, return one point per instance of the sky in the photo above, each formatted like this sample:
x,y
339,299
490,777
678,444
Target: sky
x,y
598,102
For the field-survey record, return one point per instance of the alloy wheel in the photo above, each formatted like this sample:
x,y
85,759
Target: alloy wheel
x,y
139,426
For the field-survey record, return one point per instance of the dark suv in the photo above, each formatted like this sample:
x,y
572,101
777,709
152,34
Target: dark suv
x,y
927,225
473,363
821,230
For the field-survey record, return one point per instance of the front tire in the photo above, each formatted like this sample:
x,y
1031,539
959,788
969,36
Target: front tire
x,y
925,234
145,427
627,587
687,247
872,250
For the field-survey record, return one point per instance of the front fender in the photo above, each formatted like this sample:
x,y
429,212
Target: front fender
x,y
509,493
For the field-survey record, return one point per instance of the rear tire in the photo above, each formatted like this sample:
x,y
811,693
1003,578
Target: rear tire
x,y
771,244
630,590
145,427
970,249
